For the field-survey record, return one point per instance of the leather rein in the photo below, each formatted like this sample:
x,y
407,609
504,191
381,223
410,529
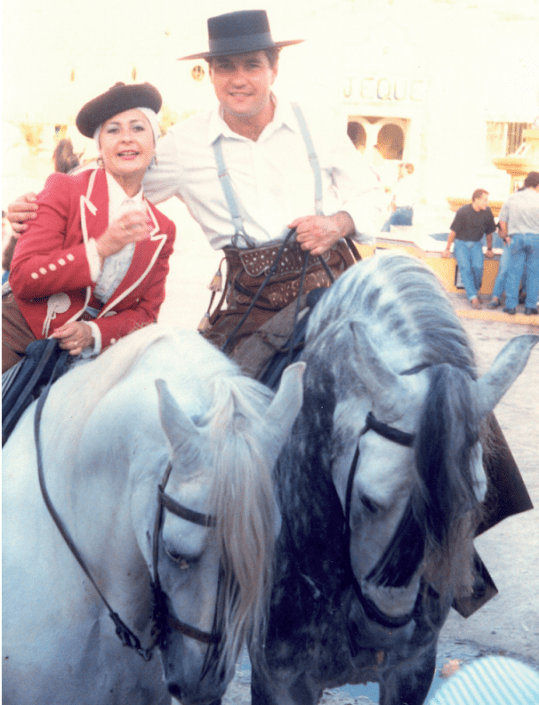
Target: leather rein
x,y
401,438
162,618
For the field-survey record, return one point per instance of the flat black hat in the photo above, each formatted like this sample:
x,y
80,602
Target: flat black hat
x,y
116,100
239,33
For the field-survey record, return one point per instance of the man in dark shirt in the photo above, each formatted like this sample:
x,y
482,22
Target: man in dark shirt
x,y
467,229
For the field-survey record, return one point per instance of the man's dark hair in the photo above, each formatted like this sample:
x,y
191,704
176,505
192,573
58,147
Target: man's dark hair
x,y
532,180
478,193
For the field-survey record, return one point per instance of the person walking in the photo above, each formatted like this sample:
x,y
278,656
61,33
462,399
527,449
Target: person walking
x,y
471,222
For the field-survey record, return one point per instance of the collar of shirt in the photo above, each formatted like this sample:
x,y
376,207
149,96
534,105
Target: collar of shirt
x,y
282,117
119,201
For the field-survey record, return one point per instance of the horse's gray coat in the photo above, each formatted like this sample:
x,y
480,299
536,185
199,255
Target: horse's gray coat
x,y
319,635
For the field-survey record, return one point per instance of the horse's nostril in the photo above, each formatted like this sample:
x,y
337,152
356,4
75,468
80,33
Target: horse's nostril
x,y
175,690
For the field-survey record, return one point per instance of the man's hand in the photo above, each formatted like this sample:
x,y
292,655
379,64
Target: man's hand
x,y
317,233
446,253
489,253
74,336
21,210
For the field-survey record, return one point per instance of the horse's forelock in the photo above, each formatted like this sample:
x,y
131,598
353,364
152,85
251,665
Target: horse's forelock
x,y
242,500
449,429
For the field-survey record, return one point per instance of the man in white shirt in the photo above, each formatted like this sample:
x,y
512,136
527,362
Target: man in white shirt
x,y
403,200
250,170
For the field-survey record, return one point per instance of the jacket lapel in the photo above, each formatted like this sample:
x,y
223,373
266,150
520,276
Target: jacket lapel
x,y
144,257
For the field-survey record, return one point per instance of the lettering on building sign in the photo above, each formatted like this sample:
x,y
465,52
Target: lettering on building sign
x,y
385,89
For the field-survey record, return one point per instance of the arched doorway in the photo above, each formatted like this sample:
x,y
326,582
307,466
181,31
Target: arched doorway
x,y
390,141
357,134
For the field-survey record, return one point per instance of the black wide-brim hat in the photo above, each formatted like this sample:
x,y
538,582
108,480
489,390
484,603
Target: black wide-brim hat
x,y
239,33
116,100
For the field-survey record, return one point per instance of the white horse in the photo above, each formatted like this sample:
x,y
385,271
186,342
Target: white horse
x,y
193,561
380,487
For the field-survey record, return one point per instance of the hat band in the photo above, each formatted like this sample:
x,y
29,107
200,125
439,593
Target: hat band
x,y
245,43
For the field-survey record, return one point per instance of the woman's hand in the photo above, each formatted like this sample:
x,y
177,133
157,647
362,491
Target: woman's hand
x,y
134,226
74,336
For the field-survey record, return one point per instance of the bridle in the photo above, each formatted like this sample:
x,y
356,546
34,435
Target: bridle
x,y
401,438
161,617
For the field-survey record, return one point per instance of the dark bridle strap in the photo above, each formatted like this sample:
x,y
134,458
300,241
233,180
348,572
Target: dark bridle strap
x,y
179,510
165,501
125,635
404,439
392,434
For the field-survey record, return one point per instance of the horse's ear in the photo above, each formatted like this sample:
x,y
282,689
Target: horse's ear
x,y
177,426
386,389
287,402
505,369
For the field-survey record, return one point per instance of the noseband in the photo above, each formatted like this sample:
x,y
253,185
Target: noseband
x,y
161,614
401,438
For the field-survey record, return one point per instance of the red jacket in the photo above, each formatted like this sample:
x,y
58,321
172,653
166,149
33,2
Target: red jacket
x,y
50,258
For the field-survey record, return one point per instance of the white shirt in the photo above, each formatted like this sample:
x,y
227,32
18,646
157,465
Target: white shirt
x,y
405,191
521,212
272,178
114,269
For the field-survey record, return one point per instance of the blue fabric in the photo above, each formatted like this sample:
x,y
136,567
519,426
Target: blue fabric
x,y
524,250
400,216
492,680
499,285
469,256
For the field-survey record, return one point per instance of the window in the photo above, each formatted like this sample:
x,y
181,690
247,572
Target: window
x,y
504,138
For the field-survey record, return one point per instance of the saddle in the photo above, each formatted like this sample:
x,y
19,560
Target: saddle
x,y
44,361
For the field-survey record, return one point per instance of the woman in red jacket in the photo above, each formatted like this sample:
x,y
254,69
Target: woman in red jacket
x,y
92,265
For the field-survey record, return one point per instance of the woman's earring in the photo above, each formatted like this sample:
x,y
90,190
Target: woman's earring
x,y
100,162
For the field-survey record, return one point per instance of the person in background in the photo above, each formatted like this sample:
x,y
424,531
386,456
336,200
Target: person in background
x,y
64,158
403,199
499,284
95,247
470,223
253,168
519,224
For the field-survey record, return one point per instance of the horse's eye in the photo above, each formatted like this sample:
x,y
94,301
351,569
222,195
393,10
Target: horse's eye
x,y
180,561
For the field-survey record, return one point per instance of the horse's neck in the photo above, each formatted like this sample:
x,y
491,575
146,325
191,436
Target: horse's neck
x,y
309,502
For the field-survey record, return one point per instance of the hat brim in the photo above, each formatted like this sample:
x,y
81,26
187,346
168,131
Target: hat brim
x,y
116,100
234,52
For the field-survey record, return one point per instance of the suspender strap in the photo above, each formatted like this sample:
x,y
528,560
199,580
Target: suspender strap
x,y
313,158
228,191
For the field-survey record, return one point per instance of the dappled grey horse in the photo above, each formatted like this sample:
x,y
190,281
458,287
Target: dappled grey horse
x,y
380,487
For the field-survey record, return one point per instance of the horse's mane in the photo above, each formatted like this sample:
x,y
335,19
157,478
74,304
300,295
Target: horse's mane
x,y
409,318
91,381
242,500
